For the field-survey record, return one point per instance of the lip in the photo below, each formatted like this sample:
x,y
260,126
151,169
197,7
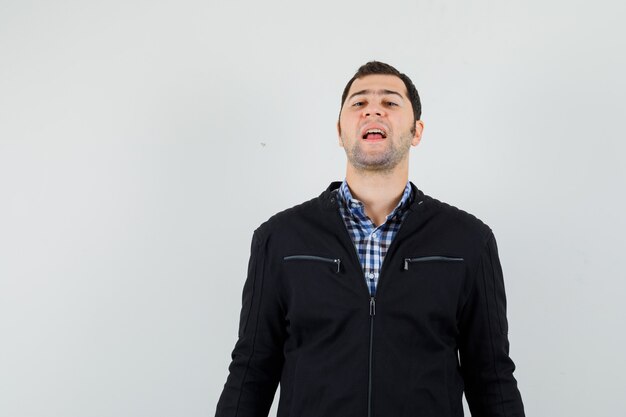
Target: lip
x,y
374,126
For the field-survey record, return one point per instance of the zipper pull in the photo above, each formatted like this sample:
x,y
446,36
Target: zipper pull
x,y
338,262
372,306
406,264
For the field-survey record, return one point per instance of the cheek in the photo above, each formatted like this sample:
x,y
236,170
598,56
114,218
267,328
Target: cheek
x,y
345,126
348,117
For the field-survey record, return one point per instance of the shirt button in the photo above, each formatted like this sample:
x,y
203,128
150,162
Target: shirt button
x,y
371,275
374,235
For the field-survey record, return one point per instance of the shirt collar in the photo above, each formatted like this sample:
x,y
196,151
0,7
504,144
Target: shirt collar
x,y
354,205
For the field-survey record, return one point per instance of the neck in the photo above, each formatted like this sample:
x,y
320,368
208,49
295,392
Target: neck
x,y
379,191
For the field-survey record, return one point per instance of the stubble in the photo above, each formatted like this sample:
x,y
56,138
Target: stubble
x,y
384,160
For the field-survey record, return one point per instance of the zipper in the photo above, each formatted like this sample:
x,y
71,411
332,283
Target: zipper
x,y
369,373
314,258
372,310
428,259
372,303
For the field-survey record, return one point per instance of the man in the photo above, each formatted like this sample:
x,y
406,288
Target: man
x,y
373,299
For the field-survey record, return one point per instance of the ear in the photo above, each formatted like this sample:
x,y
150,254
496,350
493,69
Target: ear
x,y
419,128
339,134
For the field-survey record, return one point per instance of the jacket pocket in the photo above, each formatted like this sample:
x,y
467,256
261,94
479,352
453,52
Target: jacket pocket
x,y
434,258
335,262
427,292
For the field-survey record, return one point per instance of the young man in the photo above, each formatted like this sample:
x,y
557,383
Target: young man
x,y
373,299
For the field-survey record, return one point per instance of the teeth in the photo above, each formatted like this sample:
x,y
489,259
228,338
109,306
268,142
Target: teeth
x,y
374,131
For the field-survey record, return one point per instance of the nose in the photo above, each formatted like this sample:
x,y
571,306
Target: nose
x,y
373,109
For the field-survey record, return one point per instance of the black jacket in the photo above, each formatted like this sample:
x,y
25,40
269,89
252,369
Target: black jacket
x,y
437,325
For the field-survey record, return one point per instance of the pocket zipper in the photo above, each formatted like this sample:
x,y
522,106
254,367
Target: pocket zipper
x,y
429,258
314,258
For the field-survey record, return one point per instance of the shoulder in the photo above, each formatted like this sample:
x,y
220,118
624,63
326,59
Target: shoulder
x,y
312,215
291,218
452,220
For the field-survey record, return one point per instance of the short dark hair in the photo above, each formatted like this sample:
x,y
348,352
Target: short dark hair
x,y
377,67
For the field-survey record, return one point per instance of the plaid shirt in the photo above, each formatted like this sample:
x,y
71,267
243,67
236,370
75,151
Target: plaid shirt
x,y
371,242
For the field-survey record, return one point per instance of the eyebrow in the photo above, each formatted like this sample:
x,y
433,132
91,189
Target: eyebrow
x,y
379,93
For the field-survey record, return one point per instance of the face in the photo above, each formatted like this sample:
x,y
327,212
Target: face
x,y
376,126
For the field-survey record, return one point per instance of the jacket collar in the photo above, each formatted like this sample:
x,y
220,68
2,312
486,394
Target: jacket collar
x,y
328,198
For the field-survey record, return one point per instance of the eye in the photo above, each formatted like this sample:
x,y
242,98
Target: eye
x,y
357,104
391,103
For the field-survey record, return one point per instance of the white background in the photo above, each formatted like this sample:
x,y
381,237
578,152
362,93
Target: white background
x,y
141,143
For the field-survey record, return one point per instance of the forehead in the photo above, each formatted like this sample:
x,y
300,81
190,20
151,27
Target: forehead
x,y
377,82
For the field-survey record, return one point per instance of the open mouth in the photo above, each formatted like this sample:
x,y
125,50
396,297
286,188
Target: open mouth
x,y
374,134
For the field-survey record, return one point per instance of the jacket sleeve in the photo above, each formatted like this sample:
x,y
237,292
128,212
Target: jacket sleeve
x,y
257,358
490,388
